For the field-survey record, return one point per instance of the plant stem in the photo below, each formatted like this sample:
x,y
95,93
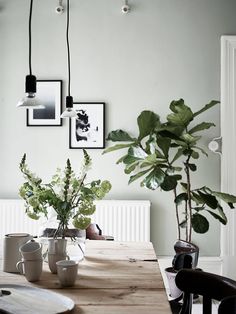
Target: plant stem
x,y
189,199
186,218
177,214
74,197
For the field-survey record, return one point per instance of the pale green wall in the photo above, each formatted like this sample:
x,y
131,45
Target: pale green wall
x,y
162,50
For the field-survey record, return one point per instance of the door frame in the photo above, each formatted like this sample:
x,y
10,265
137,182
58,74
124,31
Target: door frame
x,y
228,133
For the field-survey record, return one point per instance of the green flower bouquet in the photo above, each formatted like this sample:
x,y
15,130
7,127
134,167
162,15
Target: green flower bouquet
x,y
69,195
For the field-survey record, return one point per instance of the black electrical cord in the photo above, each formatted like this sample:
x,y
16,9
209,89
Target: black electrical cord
x,y
68,45
30,17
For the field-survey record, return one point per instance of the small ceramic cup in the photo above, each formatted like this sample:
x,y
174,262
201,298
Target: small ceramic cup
x,y
53,259
31,269
67,272
31,251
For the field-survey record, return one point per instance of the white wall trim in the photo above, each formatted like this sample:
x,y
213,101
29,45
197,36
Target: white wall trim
x,y
228,128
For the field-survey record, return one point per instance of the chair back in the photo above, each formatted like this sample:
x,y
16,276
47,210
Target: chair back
x,y
228,305
210,286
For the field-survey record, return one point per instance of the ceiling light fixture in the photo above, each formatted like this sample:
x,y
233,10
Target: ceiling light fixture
x,y
30,100
125,8
59,9
69,112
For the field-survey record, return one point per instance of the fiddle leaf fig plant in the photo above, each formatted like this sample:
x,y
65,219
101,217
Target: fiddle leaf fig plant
x,y
164,155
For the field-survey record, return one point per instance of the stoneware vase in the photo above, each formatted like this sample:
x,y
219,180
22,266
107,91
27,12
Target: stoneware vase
x,y
56,252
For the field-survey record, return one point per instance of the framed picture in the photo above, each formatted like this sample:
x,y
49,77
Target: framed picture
x,y
87,130
49,94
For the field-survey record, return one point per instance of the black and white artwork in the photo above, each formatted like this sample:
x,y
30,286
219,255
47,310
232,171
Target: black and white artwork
x,y
49,94
87,129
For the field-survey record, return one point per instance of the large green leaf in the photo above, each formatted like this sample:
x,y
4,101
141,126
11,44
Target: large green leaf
x,y
159,154
120,136
218,217
180,198
150,145
168,134
174,169
154,179
128,159
192,167
196,198
130,168
206,107
184,186
201,150
151,159
147,121
138,175
181,115
169,183
115,147
121,159
200,127
194,155
175,104
164,144
228,198
182,143
135,153
209,200
199,223
190,139
173,129
221,212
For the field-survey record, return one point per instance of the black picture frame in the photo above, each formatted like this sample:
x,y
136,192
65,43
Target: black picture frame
x,y
49,94
88,130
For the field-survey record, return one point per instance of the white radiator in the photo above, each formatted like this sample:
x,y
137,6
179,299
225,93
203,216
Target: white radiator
x,y
125,220
14,219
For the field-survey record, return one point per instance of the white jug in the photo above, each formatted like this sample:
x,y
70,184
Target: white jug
x,y
11,253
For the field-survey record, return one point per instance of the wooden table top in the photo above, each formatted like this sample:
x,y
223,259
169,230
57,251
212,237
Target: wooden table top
x,y
113,278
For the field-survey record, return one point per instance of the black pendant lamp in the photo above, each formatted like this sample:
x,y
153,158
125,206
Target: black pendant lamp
x,y
69,112
30,100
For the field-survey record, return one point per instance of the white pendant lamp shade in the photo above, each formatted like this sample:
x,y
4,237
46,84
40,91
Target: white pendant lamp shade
x,y
69,112
29,102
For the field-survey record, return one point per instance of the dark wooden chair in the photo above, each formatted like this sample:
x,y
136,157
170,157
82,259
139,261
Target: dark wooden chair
x,y
208,285
182,260
228,305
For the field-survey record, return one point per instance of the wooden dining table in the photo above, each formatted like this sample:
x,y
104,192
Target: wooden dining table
x,y
113,278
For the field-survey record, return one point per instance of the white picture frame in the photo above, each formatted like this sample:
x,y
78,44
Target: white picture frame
x,y
88,129
49,94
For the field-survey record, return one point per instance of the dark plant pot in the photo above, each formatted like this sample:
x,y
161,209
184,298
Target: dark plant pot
x,y
186,257
182,249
